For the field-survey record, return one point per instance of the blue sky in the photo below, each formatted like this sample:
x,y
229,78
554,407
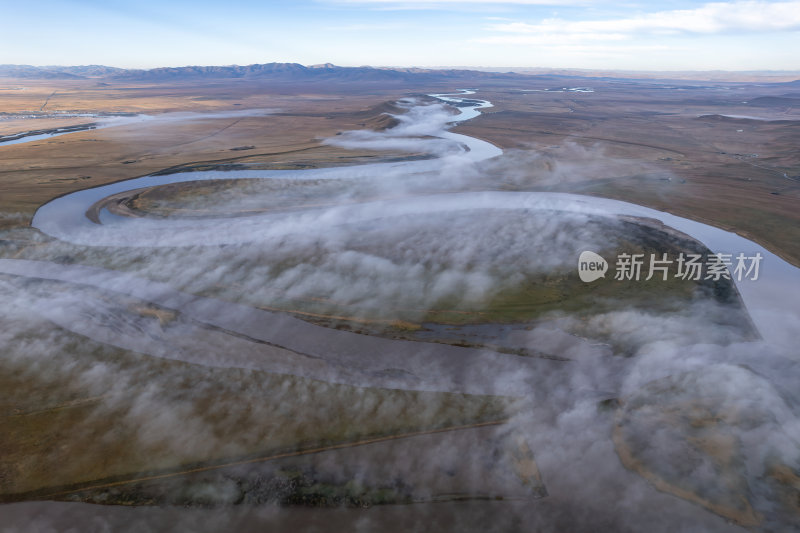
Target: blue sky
x,y
678,35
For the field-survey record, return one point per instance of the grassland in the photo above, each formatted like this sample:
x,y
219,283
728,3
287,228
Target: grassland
x,y
701,431
682,156
58,432
635,142
659,147
532,297
289,137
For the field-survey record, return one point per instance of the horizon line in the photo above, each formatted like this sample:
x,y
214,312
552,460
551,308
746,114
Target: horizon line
x,y
429,67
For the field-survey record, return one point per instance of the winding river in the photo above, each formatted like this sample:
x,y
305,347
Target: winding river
x,y
772,300
285,344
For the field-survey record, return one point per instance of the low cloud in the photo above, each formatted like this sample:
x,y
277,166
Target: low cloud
x,y
412,134
420,245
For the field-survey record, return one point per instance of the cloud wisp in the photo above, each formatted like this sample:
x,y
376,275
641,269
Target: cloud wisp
x,y
394,239
712,18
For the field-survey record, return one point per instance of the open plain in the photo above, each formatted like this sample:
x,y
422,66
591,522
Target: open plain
x,y
317,295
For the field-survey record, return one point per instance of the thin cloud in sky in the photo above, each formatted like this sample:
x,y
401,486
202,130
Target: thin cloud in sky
x,y
445,2
728,35
732,34
552,39
451,5
718,17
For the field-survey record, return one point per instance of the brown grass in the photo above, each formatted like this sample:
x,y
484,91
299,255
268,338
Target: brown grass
x,y
33,173
699,168
54,432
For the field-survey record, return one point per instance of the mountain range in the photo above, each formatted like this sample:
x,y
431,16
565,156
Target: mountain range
x,y
271,71
328,72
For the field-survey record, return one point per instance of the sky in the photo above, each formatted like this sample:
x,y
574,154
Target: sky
x,y
632,35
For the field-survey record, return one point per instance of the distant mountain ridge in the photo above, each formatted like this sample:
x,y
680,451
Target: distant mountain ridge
x,y
54,72
274,71
295,72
